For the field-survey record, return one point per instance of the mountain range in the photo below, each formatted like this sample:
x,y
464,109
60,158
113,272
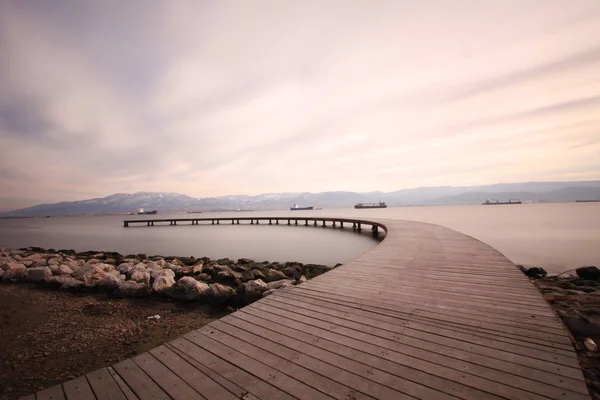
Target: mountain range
x,y
122,203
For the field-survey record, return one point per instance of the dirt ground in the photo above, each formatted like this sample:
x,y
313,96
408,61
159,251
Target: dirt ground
x,y
50,336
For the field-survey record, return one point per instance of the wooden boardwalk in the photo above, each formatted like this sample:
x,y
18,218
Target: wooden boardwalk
x,y
428,314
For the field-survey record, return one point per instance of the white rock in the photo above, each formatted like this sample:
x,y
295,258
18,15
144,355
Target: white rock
x,y
139,276
162,272
302,279
161,263
163,283
590,345
13,271
218,294
63,269
254,290
187,289
37,274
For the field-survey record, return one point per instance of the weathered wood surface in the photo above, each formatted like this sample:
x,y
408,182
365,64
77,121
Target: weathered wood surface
x,y
428,314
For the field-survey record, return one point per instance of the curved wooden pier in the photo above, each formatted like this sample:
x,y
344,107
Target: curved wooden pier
x,y
429,313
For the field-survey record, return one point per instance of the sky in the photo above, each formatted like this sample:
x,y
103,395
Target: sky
x,y
211,98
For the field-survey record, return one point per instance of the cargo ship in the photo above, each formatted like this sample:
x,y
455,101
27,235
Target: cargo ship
x,y
296,207
381,204
142,212
489,202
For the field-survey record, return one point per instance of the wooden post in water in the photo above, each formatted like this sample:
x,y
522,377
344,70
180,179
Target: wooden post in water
x,y
296,222
315,222
334,224
270,222
238,222
213,222
151,223
305,222
232,221
359,228
276,222
251,222
341,224
289,222
218,222
148,223
323,223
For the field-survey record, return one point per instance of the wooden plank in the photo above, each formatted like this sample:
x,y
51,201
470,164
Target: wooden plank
x,y
122,385
487,379
104,386
173,385
53,393
141,384
276,333
78,389
322,375
259,369
231,370
192,376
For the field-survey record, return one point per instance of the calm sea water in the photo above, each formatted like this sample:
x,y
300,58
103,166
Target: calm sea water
x,y
557,237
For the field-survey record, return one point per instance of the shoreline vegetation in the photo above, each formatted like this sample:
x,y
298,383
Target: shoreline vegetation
x,y
64,314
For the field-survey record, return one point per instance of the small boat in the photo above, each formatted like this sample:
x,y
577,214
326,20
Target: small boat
x,y
46,216
489,202
142,212
296,207
381,204
194,212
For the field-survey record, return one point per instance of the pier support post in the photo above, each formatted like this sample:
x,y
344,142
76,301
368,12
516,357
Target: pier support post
x,y
270,222
354,225
276,222
341,224
296,222
238,222
375,230
323,223
334,224
305,222
218,222
289,222
151,223
174,222
315,222
359,228
251,222
213,222
257,221
148,223
232,221
125,224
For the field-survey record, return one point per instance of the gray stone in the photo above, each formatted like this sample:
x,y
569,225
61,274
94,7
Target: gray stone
x,y
163,284
13,271
218,294
254,290
247,276
55,261
188,289
109,283
125,268
258,274
274,275
37,274
132,289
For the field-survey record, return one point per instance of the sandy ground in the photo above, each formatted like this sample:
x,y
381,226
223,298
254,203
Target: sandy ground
x,y
50,336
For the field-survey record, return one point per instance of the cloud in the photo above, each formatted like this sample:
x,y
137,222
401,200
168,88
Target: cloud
x,y
212,98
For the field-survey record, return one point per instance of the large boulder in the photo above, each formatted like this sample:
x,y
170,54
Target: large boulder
x,y
254,290
163,284
37,274
109,283
258,274
142,277
535,272
13,271
132,289
274,275
247,276
589,273
89,272
280,284
218,294
188,289
162,272
63,269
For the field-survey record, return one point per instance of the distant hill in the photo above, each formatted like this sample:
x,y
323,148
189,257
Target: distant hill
x,y
122,203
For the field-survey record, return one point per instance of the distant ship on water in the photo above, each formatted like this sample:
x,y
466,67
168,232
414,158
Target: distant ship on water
x,y
296,207
489,202
381,204
142,212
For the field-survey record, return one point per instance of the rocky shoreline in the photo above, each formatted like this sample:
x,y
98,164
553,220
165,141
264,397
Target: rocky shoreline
x,y
221,282
575,297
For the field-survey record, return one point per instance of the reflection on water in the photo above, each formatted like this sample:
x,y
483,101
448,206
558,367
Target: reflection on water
x,y
554,236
